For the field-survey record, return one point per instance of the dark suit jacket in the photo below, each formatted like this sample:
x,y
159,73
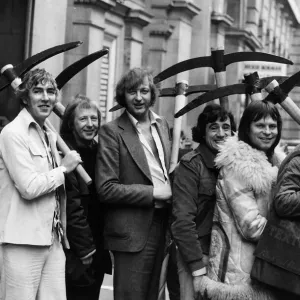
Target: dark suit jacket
x,y
124,183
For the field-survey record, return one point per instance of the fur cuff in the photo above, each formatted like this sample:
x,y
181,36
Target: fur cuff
x,y
214,290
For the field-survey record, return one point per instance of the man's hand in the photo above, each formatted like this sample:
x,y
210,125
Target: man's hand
x,y
197,281
87,261
162,193
71,160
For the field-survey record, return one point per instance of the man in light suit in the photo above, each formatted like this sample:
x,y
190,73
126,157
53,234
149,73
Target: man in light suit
x,y
132,179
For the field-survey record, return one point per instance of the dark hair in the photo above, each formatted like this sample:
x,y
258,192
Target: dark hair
x,y
33,78
210,114
80,101
255,111
182,135
132,80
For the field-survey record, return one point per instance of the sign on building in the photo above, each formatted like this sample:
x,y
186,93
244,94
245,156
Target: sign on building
x,y
265,69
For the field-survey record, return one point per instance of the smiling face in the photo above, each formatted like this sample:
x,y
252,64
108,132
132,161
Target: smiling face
x,y
263,133
138,101
86,124
216,132
40,102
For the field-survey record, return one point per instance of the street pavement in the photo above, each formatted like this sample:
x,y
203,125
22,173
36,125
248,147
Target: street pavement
x,y
107,289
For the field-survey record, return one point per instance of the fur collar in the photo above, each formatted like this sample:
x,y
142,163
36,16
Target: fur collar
x,y
250,164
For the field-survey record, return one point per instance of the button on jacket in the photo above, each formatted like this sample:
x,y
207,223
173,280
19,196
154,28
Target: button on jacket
x,y
28,183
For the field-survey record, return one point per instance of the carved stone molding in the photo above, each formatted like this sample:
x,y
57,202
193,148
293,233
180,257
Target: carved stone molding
x,y
224,19
105,4
185,7
139,17
163,30
246,36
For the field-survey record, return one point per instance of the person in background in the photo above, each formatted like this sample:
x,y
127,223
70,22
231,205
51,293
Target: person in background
x,y
87,261
32,196
132,180
248,170
194,197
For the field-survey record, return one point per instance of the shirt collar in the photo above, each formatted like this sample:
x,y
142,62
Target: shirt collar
x,y
154,118
27,118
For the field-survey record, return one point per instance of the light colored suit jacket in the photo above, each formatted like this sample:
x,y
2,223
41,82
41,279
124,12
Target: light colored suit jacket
x,y
28,183
124,183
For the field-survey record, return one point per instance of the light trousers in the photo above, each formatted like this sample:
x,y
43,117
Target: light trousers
x,y
34,272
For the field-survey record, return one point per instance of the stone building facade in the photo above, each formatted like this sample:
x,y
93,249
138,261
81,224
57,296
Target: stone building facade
x,y
149,33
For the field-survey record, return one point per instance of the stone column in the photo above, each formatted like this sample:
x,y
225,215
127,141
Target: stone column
x,y
177,16
135,21
252,21
87,23
271,27
49,31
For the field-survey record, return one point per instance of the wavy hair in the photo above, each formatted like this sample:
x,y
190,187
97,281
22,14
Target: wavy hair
x,y
33,78
131,81
211,113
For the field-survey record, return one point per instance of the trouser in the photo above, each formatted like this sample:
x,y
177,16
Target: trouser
x,y
172,275
90,292
136,275
186,281
34,272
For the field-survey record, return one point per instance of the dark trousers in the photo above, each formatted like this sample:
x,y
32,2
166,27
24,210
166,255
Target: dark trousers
x,y
90,292
136,275
172,275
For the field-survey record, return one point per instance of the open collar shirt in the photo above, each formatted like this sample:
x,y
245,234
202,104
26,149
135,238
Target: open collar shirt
x,y
158,170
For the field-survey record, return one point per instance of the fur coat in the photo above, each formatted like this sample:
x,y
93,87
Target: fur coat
x,y
244,190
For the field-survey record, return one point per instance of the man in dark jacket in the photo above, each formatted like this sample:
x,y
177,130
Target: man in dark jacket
x,y
86,260
194,197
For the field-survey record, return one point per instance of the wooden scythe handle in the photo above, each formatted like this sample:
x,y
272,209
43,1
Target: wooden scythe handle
x,y
287,104
180,102
65,149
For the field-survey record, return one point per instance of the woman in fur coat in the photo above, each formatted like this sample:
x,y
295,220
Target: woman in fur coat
x,y
248,170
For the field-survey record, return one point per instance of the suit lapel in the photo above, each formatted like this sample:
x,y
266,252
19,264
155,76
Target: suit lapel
x,y
134,145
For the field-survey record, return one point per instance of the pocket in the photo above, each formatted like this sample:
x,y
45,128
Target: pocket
x,y
39,157
35,150
207,186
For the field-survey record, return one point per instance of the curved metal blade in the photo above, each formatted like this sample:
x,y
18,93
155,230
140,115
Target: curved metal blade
x,y
34,60
182,66
171,92
239,88
116,107
76,67
254,56
290,83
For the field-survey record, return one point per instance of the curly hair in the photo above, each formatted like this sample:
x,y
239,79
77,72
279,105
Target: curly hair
x,y
255,111
80,101
131,81
33,78
210,114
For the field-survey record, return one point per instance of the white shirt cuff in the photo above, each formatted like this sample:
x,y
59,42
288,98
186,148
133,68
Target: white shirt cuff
x,y
199,272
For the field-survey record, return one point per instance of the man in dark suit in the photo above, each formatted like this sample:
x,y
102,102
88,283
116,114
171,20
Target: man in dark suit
x,y
132,179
